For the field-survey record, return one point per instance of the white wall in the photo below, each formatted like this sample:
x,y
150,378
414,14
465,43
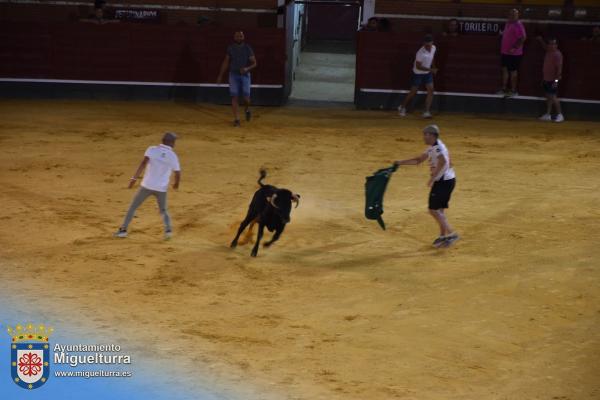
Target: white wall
x,y
298,10
368,10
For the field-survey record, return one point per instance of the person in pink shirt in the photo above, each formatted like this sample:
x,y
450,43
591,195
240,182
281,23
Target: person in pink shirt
x,y
511,52
552,73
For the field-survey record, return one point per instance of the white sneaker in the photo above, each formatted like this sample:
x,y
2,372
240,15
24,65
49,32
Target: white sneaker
x,y
401,111
121,233
545,117
168,235
427,114
559,118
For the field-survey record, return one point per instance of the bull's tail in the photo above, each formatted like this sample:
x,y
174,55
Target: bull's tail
x,y
263,175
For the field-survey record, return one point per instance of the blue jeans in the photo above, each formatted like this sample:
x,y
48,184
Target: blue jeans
x,y
421,79
239,85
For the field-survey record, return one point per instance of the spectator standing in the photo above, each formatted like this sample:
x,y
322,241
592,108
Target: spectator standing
x,y
513,38
595,36
452,28
552,74
422,74
241,60
371,26
99,16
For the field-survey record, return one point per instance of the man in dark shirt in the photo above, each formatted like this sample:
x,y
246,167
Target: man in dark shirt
x,y
240,59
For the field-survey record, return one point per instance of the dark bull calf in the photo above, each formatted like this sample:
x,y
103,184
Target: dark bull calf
x,y
270,207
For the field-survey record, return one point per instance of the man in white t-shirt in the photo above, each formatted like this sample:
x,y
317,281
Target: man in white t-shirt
x,y
161,161
442,181
422,74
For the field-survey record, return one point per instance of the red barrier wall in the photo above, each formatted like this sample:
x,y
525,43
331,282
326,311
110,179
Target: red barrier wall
x,y
131,52
472,9
332,21
72,10
472,64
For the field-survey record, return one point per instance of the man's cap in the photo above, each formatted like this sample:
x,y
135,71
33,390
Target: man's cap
x,y
433,129
428,38
169,137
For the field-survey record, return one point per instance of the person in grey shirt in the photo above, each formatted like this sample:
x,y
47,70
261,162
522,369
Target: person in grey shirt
x,y
240,60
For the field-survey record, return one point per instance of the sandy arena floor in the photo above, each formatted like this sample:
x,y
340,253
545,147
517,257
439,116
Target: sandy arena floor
x,y
337,309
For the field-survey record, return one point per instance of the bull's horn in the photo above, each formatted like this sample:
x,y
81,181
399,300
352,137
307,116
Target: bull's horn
x,y
272,200
296,199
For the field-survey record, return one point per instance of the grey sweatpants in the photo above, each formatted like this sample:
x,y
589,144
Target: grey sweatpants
x,y
141,195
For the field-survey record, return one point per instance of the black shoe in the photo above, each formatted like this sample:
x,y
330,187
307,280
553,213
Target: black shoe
x,y
439,241
236,122
248,115
450,239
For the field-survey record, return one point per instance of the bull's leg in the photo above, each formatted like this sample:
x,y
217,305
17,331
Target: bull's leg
x,y
261,229
275,237
243,226
247,238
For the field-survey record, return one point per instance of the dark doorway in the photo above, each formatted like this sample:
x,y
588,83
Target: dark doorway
x,y
332,21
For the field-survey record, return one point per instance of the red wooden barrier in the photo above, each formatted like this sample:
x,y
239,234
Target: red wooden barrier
x,y
131,52
471,64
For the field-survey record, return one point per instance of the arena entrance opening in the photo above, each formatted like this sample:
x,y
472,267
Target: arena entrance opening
x,y
324,50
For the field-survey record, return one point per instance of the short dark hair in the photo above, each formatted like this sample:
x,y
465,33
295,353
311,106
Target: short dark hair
x,y
428,38
169,137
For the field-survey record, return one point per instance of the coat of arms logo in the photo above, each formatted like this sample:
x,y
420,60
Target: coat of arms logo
x,y
30,355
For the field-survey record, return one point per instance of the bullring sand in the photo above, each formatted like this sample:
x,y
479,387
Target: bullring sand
x,y
337,309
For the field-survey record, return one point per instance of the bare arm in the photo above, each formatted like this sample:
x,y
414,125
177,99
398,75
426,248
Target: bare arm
x,y
224,67
541,42
138,172
420,67
177,179
412,161
250,67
